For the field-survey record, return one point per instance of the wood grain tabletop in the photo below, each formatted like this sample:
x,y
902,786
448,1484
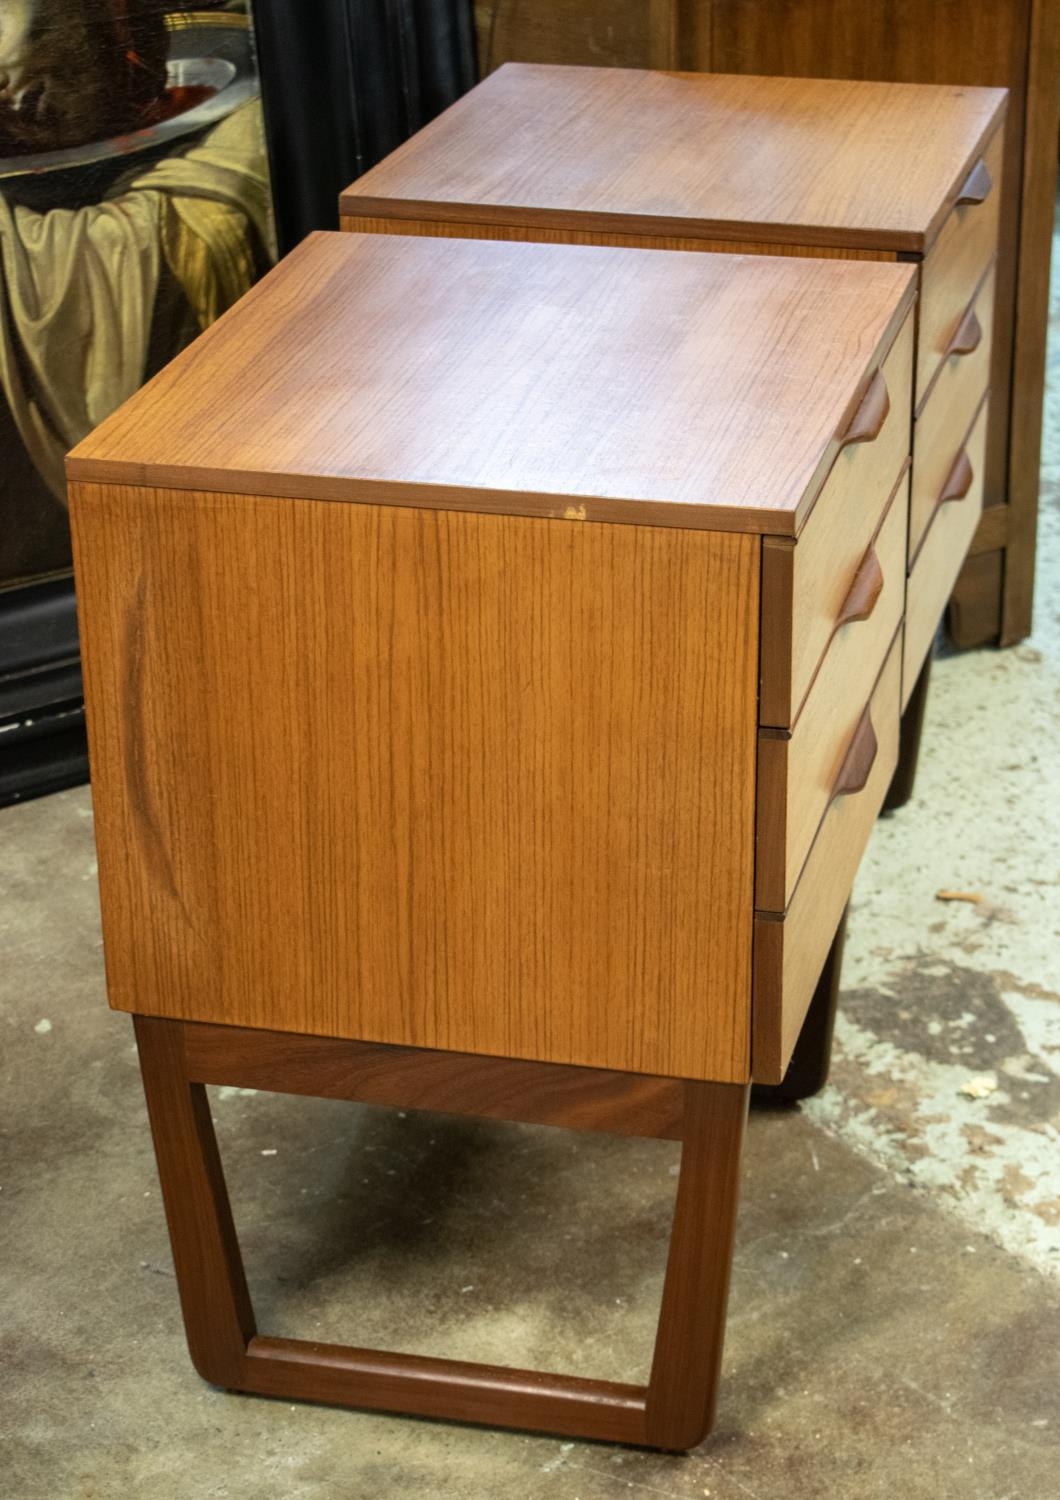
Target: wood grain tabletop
x,y
798,160
546,380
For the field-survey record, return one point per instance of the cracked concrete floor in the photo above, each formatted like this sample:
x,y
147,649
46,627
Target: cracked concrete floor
x,y
895,1312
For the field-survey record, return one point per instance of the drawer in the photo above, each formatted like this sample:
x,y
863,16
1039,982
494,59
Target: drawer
x,y
942,426
955,264
811,586
790,950
945,546
798,772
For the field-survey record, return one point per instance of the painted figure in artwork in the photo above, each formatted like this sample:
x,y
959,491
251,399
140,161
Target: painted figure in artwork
x,y
134,208
72,72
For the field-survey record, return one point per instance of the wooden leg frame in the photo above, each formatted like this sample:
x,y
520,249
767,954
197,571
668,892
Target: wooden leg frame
x,y
676,1408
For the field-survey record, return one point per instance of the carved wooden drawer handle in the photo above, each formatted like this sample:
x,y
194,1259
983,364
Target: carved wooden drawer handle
x,y
859,759
958,480
968,337
867,422
977,185
864,591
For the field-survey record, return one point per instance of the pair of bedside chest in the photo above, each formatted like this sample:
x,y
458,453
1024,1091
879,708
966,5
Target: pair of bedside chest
x,y
496,652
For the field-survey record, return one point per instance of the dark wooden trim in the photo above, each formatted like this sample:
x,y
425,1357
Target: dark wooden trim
x,y
867,422
673,1411
218,1317
1037,210
682,1392
992,531
457,1083
358,205
973,616
857,763
445,1388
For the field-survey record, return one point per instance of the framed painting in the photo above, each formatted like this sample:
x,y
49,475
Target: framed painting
x,y
154,159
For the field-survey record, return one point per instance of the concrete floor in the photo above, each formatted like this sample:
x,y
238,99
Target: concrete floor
x,y
895,1313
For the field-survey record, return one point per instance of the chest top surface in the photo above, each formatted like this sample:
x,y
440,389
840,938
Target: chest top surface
x,y
704,391
795,160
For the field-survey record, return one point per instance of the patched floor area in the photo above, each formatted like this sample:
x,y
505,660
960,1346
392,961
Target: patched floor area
x,y
895,1314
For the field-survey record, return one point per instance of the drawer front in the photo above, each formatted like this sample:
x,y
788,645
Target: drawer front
x,y
789,951
810,586
945,546
941,428
798,774
955,264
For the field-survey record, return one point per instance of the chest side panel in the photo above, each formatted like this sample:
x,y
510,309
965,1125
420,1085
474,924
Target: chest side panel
x,y
425,777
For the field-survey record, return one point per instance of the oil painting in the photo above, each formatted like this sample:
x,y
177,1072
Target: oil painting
x,y
134,209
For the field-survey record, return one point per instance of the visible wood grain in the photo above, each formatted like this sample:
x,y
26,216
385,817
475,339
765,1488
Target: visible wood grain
x,y
218,1317
798,773
675,1411
672,1411
496,1088
641,34
1037,208
949,535
371,1380
925,42
790,951
568,235
951,275
623,151
686,1364
805,586
944,423
662,33
497,809
611,385
1008,43
1012,44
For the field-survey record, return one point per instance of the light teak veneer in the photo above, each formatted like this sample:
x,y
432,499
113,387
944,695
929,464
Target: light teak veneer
x,y
479,530
783,166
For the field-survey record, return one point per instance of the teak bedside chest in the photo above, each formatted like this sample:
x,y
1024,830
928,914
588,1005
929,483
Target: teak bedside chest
x,y
505,537
781,166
